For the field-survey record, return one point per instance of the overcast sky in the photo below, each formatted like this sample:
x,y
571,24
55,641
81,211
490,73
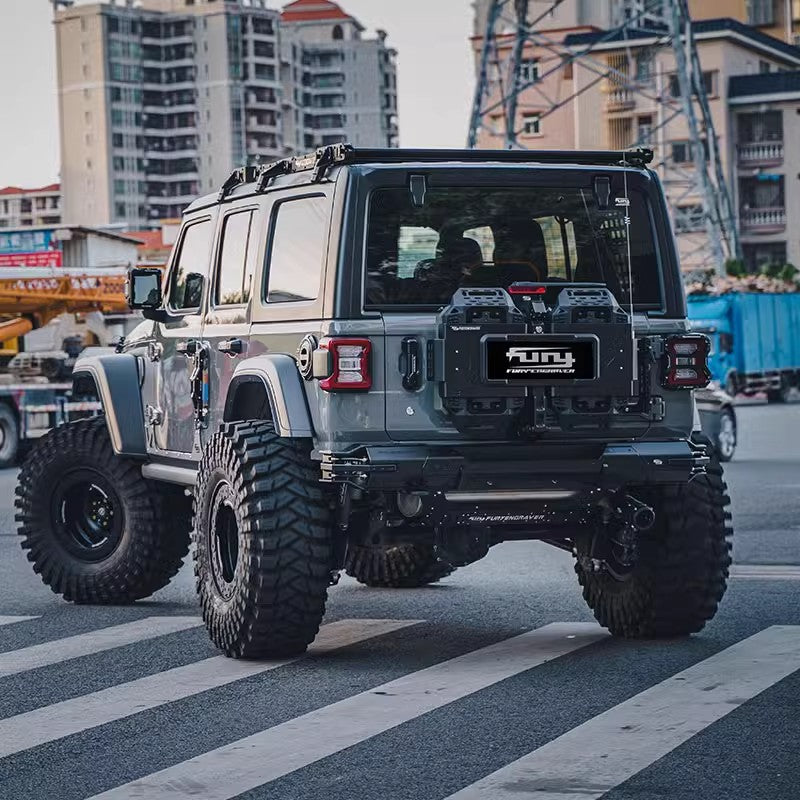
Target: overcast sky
x,y
435,78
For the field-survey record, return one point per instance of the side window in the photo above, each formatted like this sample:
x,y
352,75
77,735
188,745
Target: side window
x,y
414,245
560,246
235,260
191,267
298,250
485,238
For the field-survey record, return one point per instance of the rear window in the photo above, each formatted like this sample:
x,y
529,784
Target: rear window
x,y
493,237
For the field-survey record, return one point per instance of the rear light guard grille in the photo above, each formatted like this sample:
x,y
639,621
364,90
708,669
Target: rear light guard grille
x,y
686,362
349,367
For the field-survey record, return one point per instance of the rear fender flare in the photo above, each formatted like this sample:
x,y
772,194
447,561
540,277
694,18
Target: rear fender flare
x,y
117,384
277,374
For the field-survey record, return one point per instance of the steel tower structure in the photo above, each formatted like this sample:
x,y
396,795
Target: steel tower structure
x,y
514,26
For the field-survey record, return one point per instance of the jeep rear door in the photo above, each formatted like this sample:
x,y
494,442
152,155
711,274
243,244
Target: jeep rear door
x,y
226,329
434,232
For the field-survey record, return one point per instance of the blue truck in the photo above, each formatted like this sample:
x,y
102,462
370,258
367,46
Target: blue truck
x,y
755,341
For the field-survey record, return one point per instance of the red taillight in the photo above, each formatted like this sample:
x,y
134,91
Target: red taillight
x,y
526,288
349,364
686,362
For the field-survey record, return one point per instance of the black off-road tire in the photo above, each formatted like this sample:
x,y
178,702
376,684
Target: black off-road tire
x,y
682,572
148,537
397,566
262,584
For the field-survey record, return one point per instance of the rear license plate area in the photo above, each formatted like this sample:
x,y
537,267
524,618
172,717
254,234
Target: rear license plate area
x,y
531,360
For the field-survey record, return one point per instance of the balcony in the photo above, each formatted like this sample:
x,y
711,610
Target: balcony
x,y
619,99
763,220
760,154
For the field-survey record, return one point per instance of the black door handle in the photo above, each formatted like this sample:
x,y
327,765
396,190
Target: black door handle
x,y
233,347
411,364
188,348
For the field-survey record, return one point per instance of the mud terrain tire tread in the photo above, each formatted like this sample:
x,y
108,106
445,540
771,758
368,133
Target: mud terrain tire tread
x,y
403,566
683,569
156,536
284,521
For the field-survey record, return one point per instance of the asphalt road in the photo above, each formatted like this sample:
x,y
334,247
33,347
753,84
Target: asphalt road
x,y
499,671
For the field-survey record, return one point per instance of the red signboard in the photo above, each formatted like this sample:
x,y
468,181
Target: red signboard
x,y
48,258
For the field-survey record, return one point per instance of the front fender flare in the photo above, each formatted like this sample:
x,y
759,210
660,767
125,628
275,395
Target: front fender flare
x,y
285,392
116,380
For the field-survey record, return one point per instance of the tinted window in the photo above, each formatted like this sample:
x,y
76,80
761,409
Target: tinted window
x,y
493,237
191,267
298,250
236,261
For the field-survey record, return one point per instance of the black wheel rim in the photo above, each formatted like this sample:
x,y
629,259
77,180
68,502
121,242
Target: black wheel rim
x,y
87,515
223,541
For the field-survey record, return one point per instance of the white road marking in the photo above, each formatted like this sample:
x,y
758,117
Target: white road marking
x,y
599,755
9,620
769,572
84,644
255,760
78,714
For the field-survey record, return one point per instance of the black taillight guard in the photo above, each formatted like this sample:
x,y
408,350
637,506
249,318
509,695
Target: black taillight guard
x,y
685,362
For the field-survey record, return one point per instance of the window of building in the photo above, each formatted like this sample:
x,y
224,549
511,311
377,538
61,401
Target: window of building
x,y
683,151
763,127
236,261
759,256
644,66
529,70
709,82
191,267
764,67
764,191
297,253
531,124
644,130
761,12
688,218
338,32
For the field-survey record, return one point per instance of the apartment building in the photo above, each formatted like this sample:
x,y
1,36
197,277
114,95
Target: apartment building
x,y
161,99
765,120
338,86
628,93
23,208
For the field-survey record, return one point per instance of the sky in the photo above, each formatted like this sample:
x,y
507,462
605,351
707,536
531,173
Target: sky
x,y
435,77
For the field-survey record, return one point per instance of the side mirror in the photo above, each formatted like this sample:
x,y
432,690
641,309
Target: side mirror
x,y
144,288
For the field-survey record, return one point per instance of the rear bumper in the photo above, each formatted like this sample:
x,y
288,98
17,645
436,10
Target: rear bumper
x,y
468,469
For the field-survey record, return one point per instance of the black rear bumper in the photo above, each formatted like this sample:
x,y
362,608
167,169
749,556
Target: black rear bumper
x,y
432,468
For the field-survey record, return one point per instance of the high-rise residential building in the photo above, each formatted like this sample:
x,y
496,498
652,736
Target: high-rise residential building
x,y
160,99
30,207
337,85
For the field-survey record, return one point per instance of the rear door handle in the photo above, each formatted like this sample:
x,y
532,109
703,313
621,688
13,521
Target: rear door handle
x,y
411,364
233,347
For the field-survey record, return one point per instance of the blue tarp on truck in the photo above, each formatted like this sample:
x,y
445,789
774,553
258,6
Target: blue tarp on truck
x,y
755,340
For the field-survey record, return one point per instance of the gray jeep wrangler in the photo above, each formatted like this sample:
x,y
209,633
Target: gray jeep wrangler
x,y
386,362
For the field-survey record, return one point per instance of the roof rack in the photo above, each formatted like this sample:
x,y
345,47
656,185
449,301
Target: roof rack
x,y
333,155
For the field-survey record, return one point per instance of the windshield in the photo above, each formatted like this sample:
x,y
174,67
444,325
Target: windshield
x,y
493,237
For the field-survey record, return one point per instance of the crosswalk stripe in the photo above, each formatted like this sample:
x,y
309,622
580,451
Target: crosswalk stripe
x,y
78,714
597,756
8,620
769,572
84,644
255,760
